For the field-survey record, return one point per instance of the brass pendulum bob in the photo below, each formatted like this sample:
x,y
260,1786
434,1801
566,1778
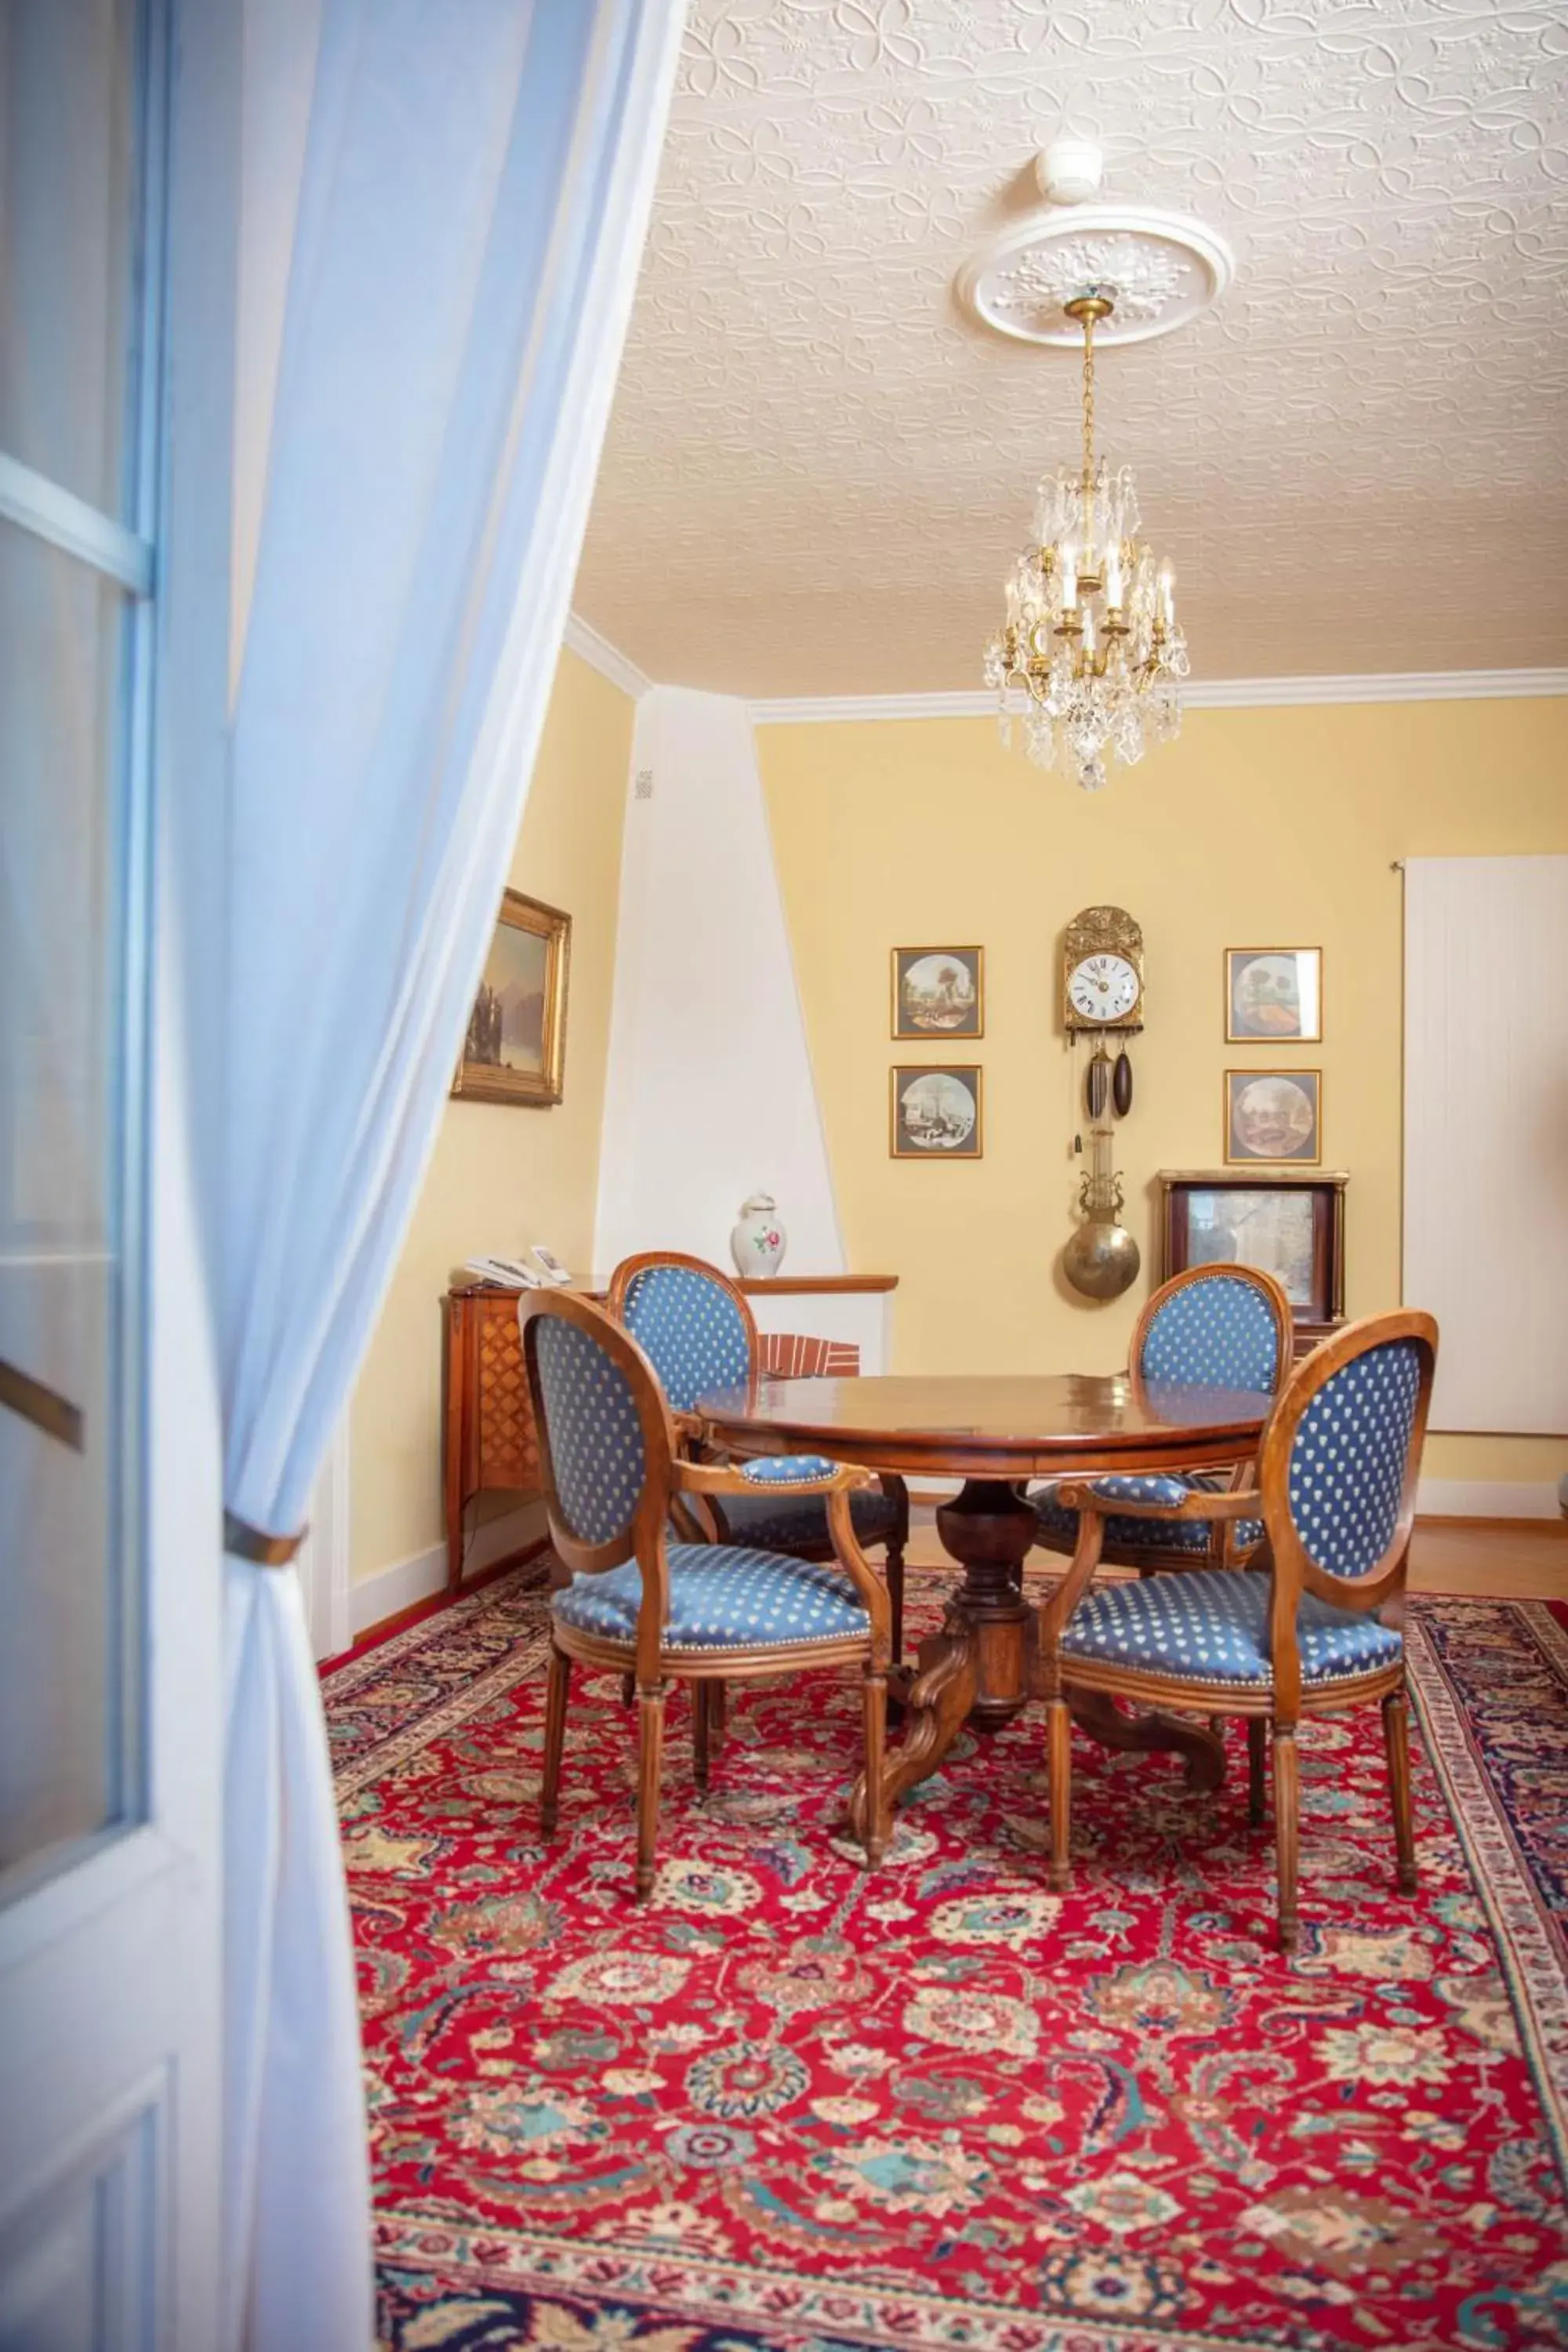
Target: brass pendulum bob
x,y
1101,1259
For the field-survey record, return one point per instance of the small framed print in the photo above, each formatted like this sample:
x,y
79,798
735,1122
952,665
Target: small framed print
x,y
938,992
1273,996
1274,1115
937,1114
515,1051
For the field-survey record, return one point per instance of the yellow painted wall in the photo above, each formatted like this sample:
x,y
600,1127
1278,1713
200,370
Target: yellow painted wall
x,y
1256,828
502,1178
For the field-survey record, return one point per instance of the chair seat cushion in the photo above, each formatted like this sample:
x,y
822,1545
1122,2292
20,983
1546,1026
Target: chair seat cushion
x,y
1210,1625
721,1597
1058,1528
780,1521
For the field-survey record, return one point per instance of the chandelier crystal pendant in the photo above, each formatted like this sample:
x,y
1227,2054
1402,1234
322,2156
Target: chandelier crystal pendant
x,y
1091,654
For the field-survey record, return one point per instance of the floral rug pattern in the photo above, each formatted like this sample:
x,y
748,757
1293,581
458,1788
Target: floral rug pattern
x,y
788,2102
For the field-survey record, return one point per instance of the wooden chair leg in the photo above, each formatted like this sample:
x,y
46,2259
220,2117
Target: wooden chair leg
x,y
1397,1740
1287,1814
650,1768
701,1730
718,1714
1059,1733
1256,1770
895,1575
629,1689
556,1690
879,1812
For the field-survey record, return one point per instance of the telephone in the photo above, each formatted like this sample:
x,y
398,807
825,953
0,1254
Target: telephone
x,y
516,1274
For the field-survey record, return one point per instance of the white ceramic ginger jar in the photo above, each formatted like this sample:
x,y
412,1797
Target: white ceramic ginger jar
x,y
757,1241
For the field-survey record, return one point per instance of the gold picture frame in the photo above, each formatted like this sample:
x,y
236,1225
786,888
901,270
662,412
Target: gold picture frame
x,y
1274,996
936,1110
938,992
515,1051
1264,1113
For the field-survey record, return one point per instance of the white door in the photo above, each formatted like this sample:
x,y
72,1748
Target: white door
x,y
111,1659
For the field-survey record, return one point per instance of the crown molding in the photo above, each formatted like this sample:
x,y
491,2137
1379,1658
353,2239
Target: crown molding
x,y
607,659
1198,694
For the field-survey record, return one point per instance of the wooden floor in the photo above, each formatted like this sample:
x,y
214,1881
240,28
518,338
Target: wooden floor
x,y
1514,1560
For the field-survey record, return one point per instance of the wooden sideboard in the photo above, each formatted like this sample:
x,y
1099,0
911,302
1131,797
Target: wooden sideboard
x,y
491,1441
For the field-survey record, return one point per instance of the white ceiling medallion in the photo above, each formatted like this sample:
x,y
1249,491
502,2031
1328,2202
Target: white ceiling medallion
x,y
1162,270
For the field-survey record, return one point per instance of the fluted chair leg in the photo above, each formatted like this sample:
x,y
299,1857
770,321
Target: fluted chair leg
x,y
650,1768
702,1732
718,1712
1060,1735
878,1824
1256,1770
895,1573
1287,1814
1397,1740
556,1690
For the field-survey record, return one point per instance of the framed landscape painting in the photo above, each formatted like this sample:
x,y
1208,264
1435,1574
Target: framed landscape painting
x,y
1273,1115
938,992
937,1114
1273,996
515,1051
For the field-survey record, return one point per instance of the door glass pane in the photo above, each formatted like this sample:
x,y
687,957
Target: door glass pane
x,y
67,159
64,1561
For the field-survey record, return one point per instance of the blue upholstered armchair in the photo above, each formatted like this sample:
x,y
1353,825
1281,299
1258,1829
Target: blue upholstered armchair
x,y
696,1329
1216,1326
703,1613
1318,1631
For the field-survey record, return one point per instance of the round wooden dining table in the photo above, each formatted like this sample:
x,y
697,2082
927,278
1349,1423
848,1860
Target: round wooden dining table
x,y
996,1433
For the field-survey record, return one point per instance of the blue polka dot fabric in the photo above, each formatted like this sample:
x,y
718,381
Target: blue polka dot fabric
x,y
1216,1333
1058,1528
1210,1625
789,1469
781,1521
1347,1465
590,1429
722,1597
692,1331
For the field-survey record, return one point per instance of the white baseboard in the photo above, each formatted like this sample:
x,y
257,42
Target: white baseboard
x,y
397,1586
423,1573
1480,1499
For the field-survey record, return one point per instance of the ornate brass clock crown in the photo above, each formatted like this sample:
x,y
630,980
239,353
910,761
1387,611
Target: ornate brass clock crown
x,y
1101,931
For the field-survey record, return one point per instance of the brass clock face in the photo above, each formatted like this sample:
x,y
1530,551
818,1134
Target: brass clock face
x,y
1102,970
1103,987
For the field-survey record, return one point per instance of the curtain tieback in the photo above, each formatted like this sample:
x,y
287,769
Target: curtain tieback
x,y
251,1543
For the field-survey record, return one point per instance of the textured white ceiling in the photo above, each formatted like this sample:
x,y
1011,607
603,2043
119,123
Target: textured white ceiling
x,y
817,471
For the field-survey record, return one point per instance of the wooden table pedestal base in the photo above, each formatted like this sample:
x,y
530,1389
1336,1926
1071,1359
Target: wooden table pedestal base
x,y
979,1669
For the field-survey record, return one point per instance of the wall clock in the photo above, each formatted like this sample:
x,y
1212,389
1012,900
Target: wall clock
x,y
1103,996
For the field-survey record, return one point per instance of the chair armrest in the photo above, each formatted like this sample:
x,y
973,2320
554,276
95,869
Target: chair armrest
x,y
1088,1494
752,1478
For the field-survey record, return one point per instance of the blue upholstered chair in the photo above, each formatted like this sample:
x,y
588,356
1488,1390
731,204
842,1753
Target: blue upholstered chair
x,y
1214,1327
696,1329
1316,1630
641,1605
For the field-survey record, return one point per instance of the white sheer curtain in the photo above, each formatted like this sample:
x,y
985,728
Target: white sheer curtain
x,y
471,210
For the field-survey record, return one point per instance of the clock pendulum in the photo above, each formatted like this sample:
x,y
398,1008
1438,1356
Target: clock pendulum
x,y
1102,992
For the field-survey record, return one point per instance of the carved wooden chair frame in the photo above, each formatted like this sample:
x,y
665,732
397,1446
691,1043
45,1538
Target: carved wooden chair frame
x,y
1282,1702
690,1425
669,1474
1222,1550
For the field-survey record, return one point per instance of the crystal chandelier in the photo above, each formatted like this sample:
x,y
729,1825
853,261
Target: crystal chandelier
x,y
1091,651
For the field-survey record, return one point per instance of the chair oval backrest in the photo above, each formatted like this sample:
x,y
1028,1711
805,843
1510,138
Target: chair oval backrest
x,y
1215,1330
590,1426
1351,1455
693,1327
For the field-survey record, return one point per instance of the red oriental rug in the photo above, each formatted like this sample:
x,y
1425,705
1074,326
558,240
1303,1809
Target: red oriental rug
x,y
787,2102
